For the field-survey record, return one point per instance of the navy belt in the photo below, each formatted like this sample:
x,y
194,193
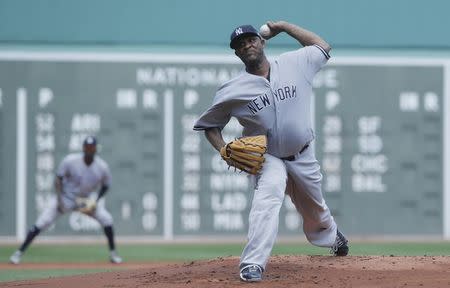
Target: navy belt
x,y
292,157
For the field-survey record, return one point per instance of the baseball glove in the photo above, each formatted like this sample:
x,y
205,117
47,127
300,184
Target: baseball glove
x,y
245,153
86,205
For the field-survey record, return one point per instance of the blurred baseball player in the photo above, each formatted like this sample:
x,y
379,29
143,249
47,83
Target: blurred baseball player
x,y
273,99
78,178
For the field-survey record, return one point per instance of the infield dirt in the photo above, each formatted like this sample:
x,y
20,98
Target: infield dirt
x,y
281,271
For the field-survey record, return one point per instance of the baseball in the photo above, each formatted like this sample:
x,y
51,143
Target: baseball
x,y
264,30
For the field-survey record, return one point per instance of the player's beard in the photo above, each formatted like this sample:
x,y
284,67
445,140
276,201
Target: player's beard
x,y
254,64
254,60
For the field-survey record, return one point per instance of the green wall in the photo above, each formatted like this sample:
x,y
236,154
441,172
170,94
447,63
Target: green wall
x,y
379,128
88,90
408,24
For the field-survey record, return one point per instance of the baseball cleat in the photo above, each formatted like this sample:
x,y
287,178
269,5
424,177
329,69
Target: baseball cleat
x,y
251,273
15,257
340,247
114,258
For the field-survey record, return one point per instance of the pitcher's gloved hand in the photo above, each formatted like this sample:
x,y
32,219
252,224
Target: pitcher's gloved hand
x,y
245,153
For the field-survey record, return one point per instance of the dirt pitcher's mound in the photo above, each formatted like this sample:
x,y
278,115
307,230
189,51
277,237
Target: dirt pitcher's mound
x,y
282,271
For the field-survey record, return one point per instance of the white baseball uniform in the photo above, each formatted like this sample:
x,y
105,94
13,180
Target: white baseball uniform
x,y
78,180
279,108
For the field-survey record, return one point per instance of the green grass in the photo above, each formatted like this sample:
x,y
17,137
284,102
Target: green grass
x,y
46,253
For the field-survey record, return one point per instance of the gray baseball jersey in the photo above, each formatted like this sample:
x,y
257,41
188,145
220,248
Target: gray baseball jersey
x,y
279,109
78,179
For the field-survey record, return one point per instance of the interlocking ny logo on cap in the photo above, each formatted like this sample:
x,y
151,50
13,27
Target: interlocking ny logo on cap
x,y
238,31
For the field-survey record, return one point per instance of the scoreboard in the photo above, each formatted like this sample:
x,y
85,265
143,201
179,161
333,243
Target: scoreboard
x,y
380,143
379,123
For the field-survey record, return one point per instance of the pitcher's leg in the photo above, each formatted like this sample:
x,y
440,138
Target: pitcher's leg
x,y
306,194
264,214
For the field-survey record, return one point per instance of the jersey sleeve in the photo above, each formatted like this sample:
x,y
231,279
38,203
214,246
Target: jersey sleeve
x,y
216,116
63,167
107,177
311,59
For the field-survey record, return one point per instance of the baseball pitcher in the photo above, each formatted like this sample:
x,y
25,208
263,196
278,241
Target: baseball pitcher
x,y
273,99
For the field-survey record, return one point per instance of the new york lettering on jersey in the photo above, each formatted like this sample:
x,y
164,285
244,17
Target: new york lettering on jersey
x,y
262,101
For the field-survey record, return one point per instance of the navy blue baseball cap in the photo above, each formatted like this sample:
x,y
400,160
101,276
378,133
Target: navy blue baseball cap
x,y
90,140
241,31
